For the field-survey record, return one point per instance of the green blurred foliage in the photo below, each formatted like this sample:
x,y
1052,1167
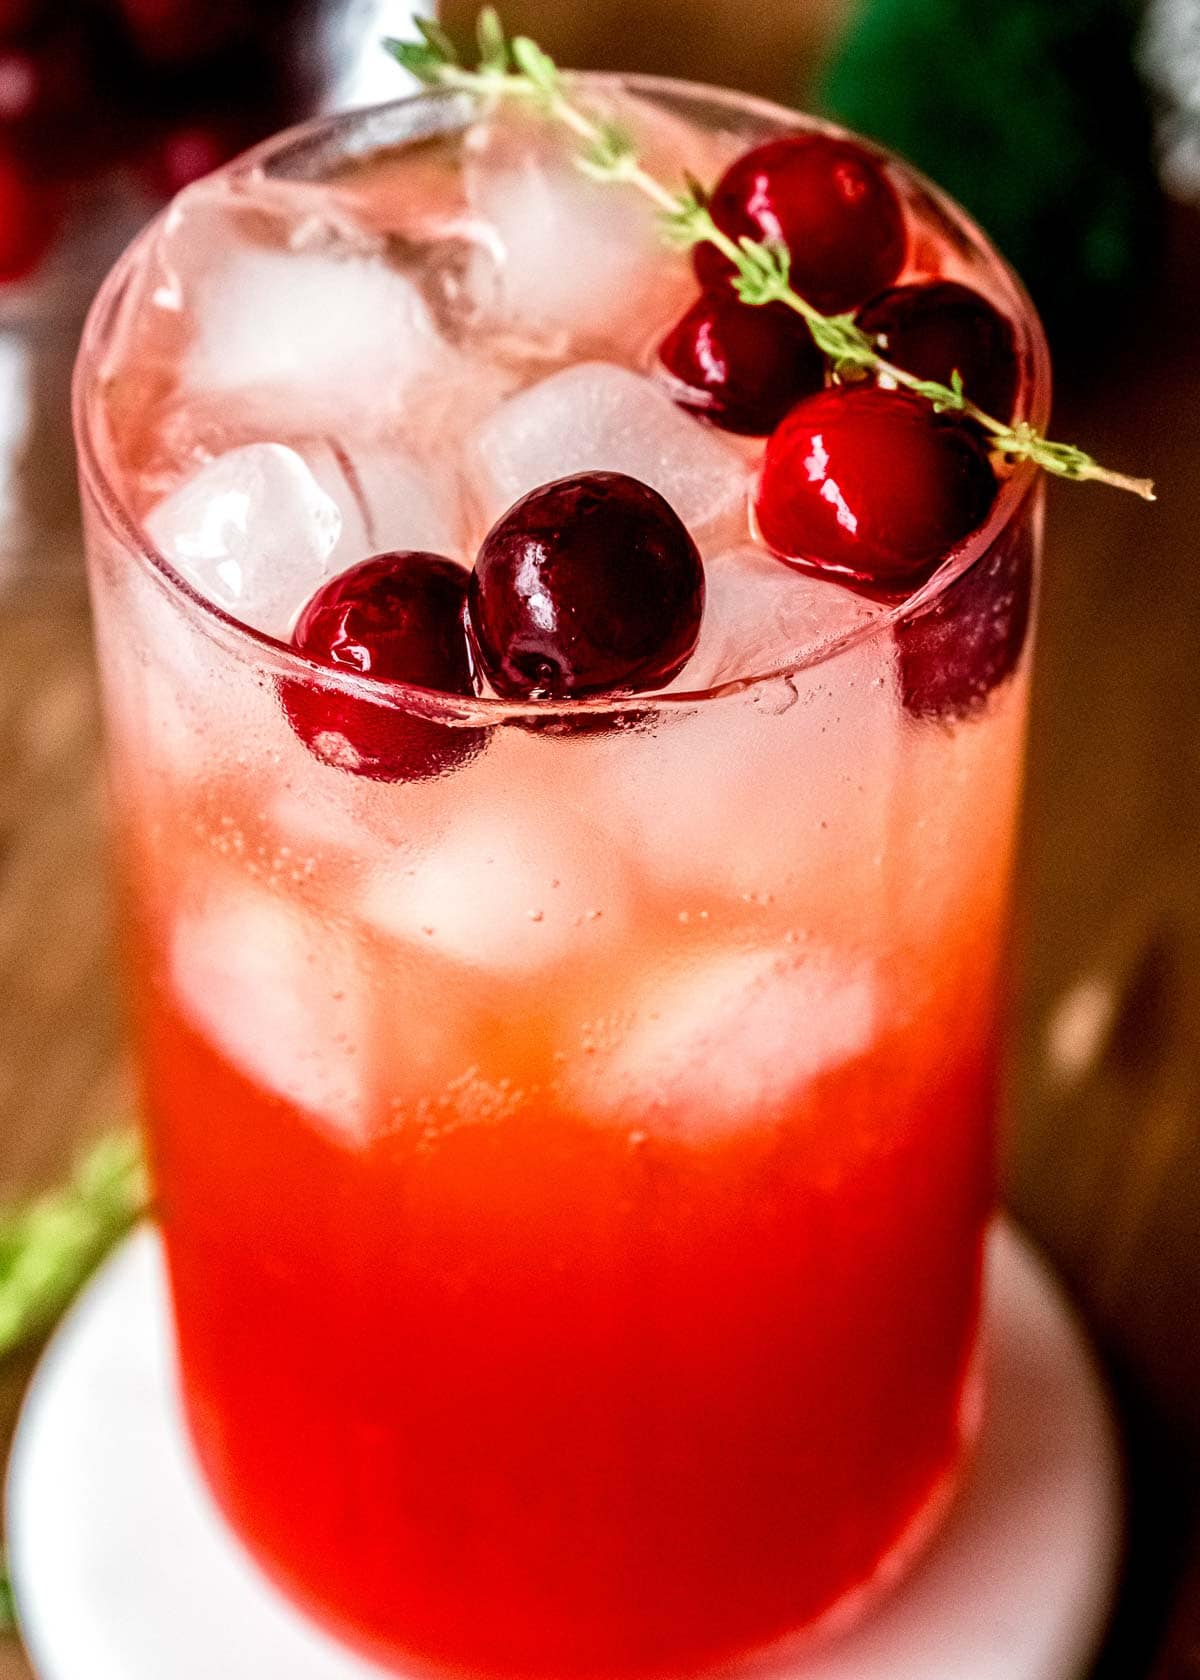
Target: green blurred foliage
x,y
1029,112
50,1246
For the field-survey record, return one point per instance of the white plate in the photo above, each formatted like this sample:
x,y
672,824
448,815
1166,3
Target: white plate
x,y
123,1569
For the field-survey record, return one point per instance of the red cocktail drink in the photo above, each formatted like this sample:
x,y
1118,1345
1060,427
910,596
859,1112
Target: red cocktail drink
x,y
571,1106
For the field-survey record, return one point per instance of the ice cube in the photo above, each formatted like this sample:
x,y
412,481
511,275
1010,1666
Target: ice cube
x,y
599,417
761,615
388,498
729,1040
503,890
347,328
327,340
780,791
282,996
253,530
569,256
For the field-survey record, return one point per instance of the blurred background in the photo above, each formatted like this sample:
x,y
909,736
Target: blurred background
x,y
1071,128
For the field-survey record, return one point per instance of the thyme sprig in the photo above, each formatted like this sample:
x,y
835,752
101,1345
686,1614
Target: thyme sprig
x,y
50,1246
517,68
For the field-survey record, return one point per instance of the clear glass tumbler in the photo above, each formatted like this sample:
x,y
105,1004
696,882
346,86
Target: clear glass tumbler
x,y
574,1168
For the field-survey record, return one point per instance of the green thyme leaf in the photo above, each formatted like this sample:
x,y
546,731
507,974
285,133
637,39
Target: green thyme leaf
x,y
493,43
50,1247
537,67
689,222
942,397
437,40
841,339
610,155
418,58
763,274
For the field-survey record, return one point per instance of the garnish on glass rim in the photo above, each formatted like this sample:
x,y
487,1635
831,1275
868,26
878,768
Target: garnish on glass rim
x,y
518,68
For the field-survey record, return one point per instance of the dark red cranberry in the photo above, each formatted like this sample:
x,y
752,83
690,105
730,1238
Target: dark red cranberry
x,y
741,367
936,327
18,17
401,618
590,585
174,31
27,220
50,82
872,486
19,87
952,655
828,201
185,153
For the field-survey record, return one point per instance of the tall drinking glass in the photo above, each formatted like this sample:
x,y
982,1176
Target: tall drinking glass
x,y
574,1160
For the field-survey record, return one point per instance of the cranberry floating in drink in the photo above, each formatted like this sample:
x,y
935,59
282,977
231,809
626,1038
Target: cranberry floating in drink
x,y
565,862
738,366
955,650
590,585
828,201
872,487
938,328
402,618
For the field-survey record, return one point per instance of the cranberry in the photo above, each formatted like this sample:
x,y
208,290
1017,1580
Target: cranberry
x,y
19,85
741,367
590,585
49,83
872,486
27,220
937,327
400,617
174,31
828,201
952,655
18,17
184,154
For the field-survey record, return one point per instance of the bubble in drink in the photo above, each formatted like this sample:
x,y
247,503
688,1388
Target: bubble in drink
x,y
253,530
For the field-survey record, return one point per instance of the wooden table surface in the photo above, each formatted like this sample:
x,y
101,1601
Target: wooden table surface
x,y
1104,1162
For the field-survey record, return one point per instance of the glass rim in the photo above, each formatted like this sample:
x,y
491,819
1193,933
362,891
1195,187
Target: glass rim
x,y
342,136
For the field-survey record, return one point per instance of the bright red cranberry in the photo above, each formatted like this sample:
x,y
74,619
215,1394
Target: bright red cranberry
x,y
27,220
741,367
936,327
828,201
952,655
872,486
590,585
399,617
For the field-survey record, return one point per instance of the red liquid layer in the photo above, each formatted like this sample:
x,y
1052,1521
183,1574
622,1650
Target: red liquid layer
x,y
542,1398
